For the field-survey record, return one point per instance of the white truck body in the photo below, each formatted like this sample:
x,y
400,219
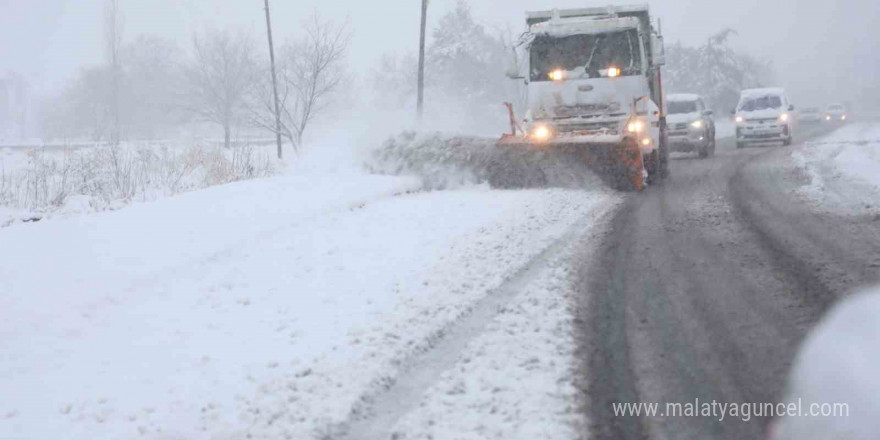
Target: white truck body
x,y
604,64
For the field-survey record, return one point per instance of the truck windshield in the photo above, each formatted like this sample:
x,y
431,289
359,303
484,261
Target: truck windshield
x,y
760,103
680,107
585,54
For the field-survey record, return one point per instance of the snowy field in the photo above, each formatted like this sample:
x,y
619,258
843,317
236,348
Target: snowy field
x,y
284,307
40,183
842,170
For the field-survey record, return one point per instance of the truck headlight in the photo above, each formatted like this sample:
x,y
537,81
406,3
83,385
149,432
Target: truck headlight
x,y
697,124
612,72
636,126
783,117
541,132
740,120
557,75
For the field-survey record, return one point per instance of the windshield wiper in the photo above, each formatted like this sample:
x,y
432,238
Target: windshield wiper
x,y
599,41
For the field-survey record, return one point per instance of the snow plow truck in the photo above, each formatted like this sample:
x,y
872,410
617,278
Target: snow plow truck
x,y
594,84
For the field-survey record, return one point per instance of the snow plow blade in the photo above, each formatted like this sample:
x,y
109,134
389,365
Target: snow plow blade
x,y
511,162
619,163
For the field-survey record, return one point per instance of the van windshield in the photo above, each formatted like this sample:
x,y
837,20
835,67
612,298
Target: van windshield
x,y
585,53
680,107
760,103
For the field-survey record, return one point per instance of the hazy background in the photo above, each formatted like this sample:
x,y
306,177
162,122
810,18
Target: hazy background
x,y
822,47
822,51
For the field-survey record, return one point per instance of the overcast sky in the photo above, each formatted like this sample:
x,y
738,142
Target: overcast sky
x,y
824,47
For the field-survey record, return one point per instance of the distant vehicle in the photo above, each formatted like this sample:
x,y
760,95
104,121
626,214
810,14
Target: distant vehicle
x,y
764,115
691,125
836,113
811,115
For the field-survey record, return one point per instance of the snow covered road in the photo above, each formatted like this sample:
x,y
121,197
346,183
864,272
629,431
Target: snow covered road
x,y
706,285
286,307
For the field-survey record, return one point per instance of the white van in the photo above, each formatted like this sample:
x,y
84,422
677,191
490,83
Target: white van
x,y
764,115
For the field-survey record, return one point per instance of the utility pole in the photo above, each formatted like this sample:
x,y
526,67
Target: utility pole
x,y
274,82
421,99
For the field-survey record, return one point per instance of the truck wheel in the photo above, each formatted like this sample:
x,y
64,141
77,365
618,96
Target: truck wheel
x,y
704,151
787,142
740,145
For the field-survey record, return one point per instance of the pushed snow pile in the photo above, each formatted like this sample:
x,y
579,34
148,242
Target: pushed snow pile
x,y
838,365
450,161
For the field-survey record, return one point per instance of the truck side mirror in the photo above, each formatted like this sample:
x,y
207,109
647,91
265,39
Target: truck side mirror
x,y
658,50
708,113
791,108
512,72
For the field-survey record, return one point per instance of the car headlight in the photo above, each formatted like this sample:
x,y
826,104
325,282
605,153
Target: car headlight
x,y
843,118
827,118
557,75
783,117
636,126
697,124
541,132
740,120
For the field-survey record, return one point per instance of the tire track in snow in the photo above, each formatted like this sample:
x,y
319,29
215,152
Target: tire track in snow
x,y
379,413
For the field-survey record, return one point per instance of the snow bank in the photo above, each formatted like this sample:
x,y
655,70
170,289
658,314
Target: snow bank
x,y
269,308
843,167
103,177
838,364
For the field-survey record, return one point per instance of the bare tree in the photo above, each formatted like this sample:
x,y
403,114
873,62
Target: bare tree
x,y
83,109
219,76
311,70
113,41
151,87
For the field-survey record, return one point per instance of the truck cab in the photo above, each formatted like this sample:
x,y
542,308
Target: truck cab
x,y
594,74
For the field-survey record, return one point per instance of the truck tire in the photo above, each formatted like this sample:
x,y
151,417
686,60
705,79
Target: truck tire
x,y
704,151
